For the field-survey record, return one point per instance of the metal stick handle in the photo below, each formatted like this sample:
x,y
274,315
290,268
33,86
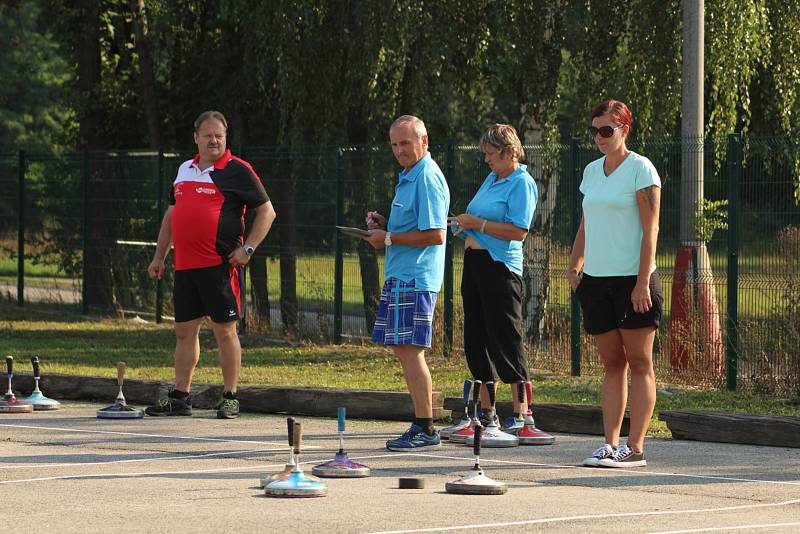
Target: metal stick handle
x,y
36,370
476,395
467,387
340,419
290,431
120,373
476,446
529,392
521,393
492,393
298,436
10,365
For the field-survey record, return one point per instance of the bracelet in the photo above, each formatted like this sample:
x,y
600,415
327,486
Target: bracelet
x,y
483,226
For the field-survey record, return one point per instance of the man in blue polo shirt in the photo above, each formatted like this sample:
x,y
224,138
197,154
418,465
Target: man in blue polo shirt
x,y
414,239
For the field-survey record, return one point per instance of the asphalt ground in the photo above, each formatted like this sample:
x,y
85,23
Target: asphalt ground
x,y
67,471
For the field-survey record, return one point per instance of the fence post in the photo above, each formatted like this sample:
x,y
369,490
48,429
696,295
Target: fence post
x,y
732,337
450,165
159,215
575,210
21,228
85,265
338,276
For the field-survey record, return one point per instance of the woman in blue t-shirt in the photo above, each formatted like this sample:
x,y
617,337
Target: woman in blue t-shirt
x,y
495,225
612,270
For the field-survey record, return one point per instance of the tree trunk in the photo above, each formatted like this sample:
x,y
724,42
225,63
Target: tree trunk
x,y
147,76
89,71
99,289
259,279
363,201
537,248
288,252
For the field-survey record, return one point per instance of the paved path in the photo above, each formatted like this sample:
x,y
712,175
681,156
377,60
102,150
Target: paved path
x,y
67,471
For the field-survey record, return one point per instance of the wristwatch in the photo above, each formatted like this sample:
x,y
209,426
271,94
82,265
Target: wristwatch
x,y
388,239
249,249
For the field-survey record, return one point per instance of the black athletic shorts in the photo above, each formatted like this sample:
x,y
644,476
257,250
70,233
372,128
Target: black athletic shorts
x,y
606,303
212,291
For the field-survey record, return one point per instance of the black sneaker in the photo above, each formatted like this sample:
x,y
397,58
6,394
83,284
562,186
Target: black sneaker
x,y
228,409
624,457
170,406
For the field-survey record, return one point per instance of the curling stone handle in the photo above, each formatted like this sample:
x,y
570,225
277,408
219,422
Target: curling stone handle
x,y
476,446
521,393
467,387
35,364
298,436
10,365
120,373
492,393
340,416
529,392
476,394
290,430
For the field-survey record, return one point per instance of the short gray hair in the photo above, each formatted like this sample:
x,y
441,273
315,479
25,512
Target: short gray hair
x,y
204,116
415,122
503,137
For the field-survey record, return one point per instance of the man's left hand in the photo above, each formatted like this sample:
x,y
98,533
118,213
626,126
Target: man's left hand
x,y
376,238
238,258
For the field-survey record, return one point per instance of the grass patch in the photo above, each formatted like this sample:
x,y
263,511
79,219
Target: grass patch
x,y
71,344
760,290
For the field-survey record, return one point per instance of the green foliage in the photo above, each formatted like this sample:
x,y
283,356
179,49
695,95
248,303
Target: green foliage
x,y
739,44
711,215
34,114
339,71
628,50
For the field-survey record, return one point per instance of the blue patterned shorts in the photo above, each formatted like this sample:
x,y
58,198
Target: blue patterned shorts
x,y
405,315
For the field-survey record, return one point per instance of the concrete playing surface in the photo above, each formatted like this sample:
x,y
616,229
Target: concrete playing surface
x,y
66,471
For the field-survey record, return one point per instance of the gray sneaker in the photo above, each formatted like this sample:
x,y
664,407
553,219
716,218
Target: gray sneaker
x,y
228,409
624,457
170,406
602,453
414,439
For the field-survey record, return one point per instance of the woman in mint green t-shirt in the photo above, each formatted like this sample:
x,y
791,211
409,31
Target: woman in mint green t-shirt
x,y
612,270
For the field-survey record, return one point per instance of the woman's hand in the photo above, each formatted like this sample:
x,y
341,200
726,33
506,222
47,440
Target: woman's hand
x,y
640,297
465,221
574,279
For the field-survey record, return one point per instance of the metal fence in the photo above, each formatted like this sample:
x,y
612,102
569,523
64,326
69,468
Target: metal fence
x,y
77,232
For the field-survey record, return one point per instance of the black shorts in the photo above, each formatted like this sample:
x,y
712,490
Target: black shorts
x,y
606,303
212,291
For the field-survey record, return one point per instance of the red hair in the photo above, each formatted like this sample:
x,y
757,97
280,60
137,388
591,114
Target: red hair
x,y
618,110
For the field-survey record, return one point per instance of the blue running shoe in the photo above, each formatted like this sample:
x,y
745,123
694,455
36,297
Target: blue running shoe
x,y
512,425
414,439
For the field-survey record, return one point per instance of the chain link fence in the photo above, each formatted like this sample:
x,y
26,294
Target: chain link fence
x,y
77,232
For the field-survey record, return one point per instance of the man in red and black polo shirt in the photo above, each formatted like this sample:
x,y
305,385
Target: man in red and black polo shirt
x,y
205,222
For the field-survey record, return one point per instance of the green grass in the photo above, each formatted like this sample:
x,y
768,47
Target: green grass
x,y
70,344
8,268
761,289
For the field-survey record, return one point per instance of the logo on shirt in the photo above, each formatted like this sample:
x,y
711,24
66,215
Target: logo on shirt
x,y
206,190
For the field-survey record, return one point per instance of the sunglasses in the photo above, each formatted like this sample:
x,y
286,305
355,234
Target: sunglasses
x,y
604,131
